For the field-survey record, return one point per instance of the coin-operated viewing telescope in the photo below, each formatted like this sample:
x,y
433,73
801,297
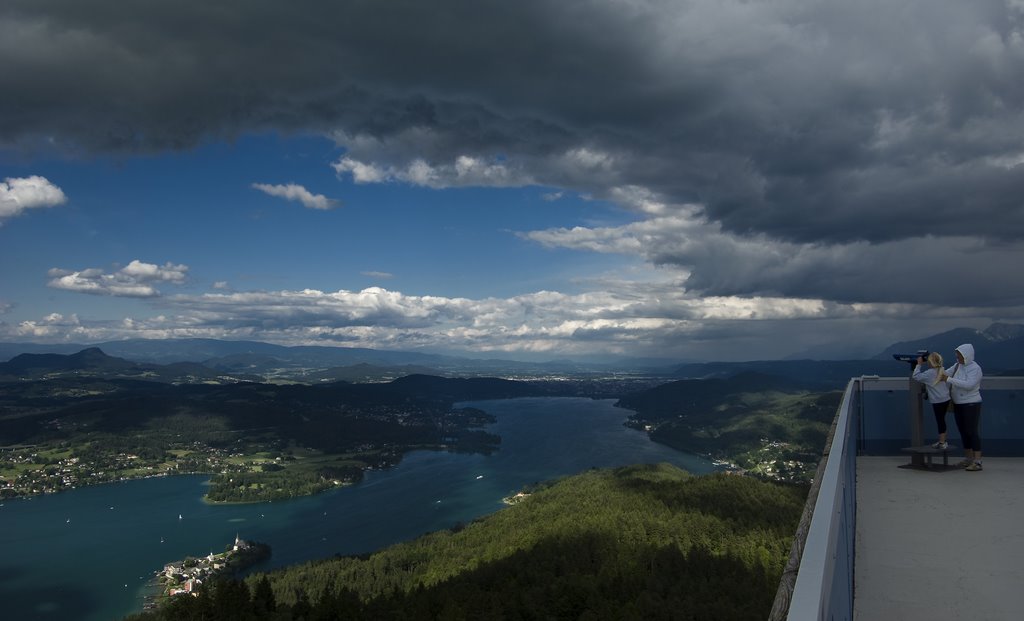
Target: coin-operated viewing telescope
x,y
912,358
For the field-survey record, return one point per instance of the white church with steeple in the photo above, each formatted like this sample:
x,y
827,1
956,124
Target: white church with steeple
x,y
240,544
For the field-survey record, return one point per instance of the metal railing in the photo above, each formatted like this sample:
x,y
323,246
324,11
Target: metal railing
x,y
877,416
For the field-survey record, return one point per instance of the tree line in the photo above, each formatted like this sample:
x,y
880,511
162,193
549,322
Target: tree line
x,y
639,542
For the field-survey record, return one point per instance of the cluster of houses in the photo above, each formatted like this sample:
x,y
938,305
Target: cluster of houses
x,y
187,576
515,498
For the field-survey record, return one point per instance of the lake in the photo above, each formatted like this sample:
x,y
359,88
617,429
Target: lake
x,y
87,554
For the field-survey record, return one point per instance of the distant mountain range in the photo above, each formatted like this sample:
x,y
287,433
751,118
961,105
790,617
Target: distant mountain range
x,y
210,351
93,362
318,363
1000,349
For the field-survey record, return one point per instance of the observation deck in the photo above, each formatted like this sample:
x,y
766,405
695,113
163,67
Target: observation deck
x,y
886,537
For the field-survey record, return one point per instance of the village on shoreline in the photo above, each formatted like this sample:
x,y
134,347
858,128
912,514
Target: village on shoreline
x,y
186,576
27,471
33,471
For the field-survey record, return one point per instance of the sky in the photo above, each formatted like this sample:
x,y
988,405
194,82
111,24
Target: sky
x,y
681,179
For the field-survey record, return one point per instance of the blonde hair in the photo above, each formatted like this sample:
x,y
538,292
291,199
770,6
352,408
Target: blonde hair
x,y
935,362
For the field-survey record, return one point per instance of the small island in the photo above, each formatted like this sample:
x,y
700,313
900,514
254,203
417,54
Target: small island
x,y
186,576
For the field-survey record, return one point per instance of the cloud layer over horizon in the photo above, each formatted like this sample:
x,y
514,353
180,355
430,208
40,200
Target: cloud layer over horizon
x,y
788,156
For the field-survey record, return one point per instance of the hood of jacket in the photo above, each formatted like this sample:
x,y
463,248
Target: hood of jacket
x,y
967,351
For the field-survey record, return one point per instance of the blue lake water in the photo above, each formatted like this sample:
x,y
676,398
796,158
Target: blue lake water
x,y
87,554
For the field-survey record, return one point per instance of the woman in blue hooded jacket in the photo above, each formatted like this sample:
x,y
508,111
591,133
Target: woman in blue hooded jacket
x,y
964,379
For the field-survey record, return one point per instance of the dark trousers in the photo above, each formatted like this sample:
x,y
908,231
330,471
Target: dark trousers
x,y
968,419
940,415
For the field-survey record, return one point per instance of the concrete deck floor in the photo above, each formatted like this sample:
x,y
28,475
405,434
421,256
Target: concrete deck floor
x,y
939,546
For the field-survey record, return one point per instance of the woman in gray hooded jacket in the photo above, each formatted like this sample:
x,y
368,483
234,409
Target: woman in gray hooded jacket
x,y
964,379
930,373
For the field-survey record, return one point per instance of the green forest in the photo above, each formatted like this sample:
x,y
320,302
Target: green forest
x,y
638,542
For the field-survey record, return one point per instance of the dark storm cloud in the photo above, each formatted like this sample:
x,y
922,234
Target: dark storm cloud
x,y
111,75
852,125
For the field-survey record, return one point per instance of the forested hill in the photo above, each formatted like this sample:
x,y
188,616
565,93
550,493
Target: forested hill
x,y
811,374
638,542
670,398
768,425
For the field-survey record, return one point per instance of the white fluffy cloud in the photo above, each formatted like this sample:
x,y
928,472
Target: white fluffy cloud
x,y
464,171
20,193
133,281
295,192
54,327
